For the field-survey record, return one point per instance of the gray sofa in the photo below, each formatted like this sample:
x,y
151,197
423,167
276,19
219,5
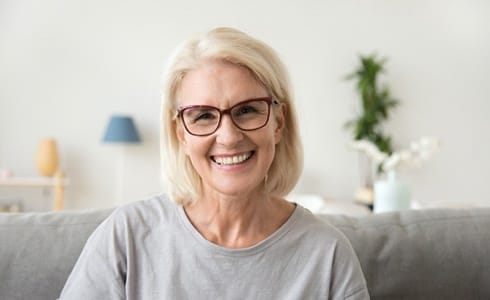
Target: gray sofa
x,y
427,254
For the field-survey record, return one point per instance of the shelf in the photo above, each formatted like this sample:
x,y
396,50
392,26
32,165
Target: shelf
x,y
32,181
58,183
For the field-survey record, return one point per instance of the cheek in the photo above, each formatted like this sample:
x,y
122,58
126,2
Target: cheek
x,y
269,142
187,142
195,147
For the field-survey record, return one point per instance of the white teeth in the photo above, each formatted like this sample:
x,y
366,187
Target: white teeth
x,y
231,160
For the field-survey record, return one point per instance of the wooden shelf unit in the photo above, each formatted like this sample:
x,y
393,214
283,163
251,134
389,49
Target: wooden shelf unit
x,y
58,182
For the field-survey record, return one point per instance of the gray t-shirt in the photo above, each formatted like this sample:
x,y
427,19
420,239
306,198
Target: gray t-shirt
x,y
150,250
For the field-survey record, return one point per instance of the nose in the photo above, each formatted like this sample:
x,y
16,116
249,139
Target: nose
x,y
228,134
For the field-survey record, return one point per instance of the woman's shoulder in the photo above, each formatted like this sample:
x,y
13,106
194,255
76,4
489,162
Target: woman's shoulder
x,y
318,229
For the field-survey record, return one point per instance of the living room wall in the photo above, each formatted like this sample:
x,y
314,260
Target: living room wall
x,y
66,66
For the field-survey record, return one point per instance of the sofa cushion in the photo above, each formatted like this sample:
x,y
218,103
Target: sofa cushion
x,y
425,254
39,250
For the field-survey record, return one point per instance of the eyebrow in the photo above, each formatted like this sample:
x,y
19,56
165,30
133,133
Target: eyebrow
x,y
267,98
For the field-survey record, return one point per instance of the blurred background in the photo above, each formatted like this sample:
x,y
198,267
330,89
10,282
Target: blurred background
x,y
66,67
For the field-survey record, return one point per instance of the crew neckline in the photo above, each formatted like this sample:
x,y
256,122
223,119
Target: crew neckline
x,y
260,246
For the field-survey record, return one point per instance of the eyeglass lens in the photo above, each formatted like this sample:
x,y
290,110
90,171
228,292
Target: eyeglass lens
x,y
246,115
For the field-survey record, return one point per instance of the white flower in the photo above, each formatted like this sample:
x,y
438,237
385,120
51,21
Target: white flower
x,y
418,152
370,149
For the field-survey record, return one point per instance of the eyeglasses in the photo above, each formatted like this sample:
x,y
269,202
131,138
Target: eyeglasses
x,y
248,115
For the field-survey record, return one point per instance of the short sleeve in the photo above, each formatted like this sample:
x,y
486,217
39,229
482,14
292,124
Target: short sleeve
x,y
348,281
99,272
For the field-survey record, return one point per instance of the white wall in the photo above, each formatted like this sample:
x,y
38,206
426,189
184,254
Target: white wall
x,y
65,66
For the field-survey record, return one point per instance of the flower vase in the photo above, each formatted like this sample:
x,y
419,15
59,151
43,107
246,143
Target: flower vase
x,y
391,194
47,157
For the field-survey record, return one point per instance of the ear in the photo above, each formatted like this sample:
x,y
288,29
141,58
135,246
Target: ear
x,y
180,132
280,117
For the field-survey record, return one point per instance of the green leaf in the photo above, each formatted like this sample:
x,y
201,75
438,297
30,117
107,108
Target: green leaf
x,y
376,102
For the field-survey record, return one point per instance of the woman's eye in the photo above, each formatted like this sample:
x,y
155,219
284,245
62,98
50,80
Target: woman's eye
x,y
246,110
204,117
200,116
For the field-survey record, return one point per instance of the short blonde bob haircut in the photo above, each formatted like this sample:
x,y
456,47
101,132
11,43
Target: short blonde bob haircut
x,y
182,181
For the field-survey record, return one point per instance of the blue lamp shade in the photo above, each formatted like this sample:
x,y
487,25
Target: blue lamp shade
x,y
121,129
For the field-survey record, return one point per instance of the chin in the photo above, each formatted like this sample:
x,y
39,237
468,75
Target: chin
x,y
233,190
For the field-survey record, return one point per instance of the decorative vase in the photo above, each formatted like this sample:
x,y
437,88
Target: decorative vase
x,y
391,194
47,157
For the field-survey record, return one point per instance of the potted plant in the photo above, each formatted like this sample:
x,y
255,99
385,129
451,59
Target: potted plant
x,y
376,104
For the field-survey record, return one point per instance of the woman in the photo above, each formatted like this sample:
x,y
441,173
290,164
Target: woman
x,y
231,152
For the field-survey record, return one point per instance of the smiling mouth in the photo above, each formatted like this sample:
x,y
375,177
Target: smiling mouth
x,y
232,160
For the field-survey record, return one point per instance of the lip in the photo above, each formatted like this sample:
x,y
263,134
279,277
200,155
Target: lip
x,y
219,159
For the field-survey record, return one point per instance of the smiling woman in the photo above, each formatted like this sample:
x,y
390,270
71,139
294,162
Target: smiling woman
x,y
222,84
231,152
262,68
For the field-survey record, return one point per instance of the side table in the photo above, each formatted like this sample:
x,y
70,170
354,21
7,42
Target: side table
x,y
57,182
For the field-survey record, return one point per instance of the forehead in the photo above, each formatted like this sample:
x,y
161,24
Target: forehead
x,y
218,83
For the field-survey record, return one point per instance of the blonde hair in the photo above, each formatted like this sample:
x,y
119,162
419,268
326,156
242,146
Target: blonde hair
x,y
182,181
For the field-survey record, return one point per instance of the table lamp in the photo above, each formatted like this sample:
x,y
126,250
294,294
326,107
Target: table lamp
x,y
121,130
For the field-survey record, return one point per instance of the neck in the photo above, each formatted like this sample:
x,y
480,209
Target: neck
x,y
238,222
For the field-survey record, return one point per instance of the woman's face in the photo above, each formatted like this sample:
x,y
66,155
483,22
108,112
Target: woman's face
x,y
230,161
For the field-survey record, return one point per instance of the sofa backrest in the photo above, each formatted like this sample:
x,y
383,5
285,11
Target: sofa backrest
x,y
427,254
39,250
424,254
